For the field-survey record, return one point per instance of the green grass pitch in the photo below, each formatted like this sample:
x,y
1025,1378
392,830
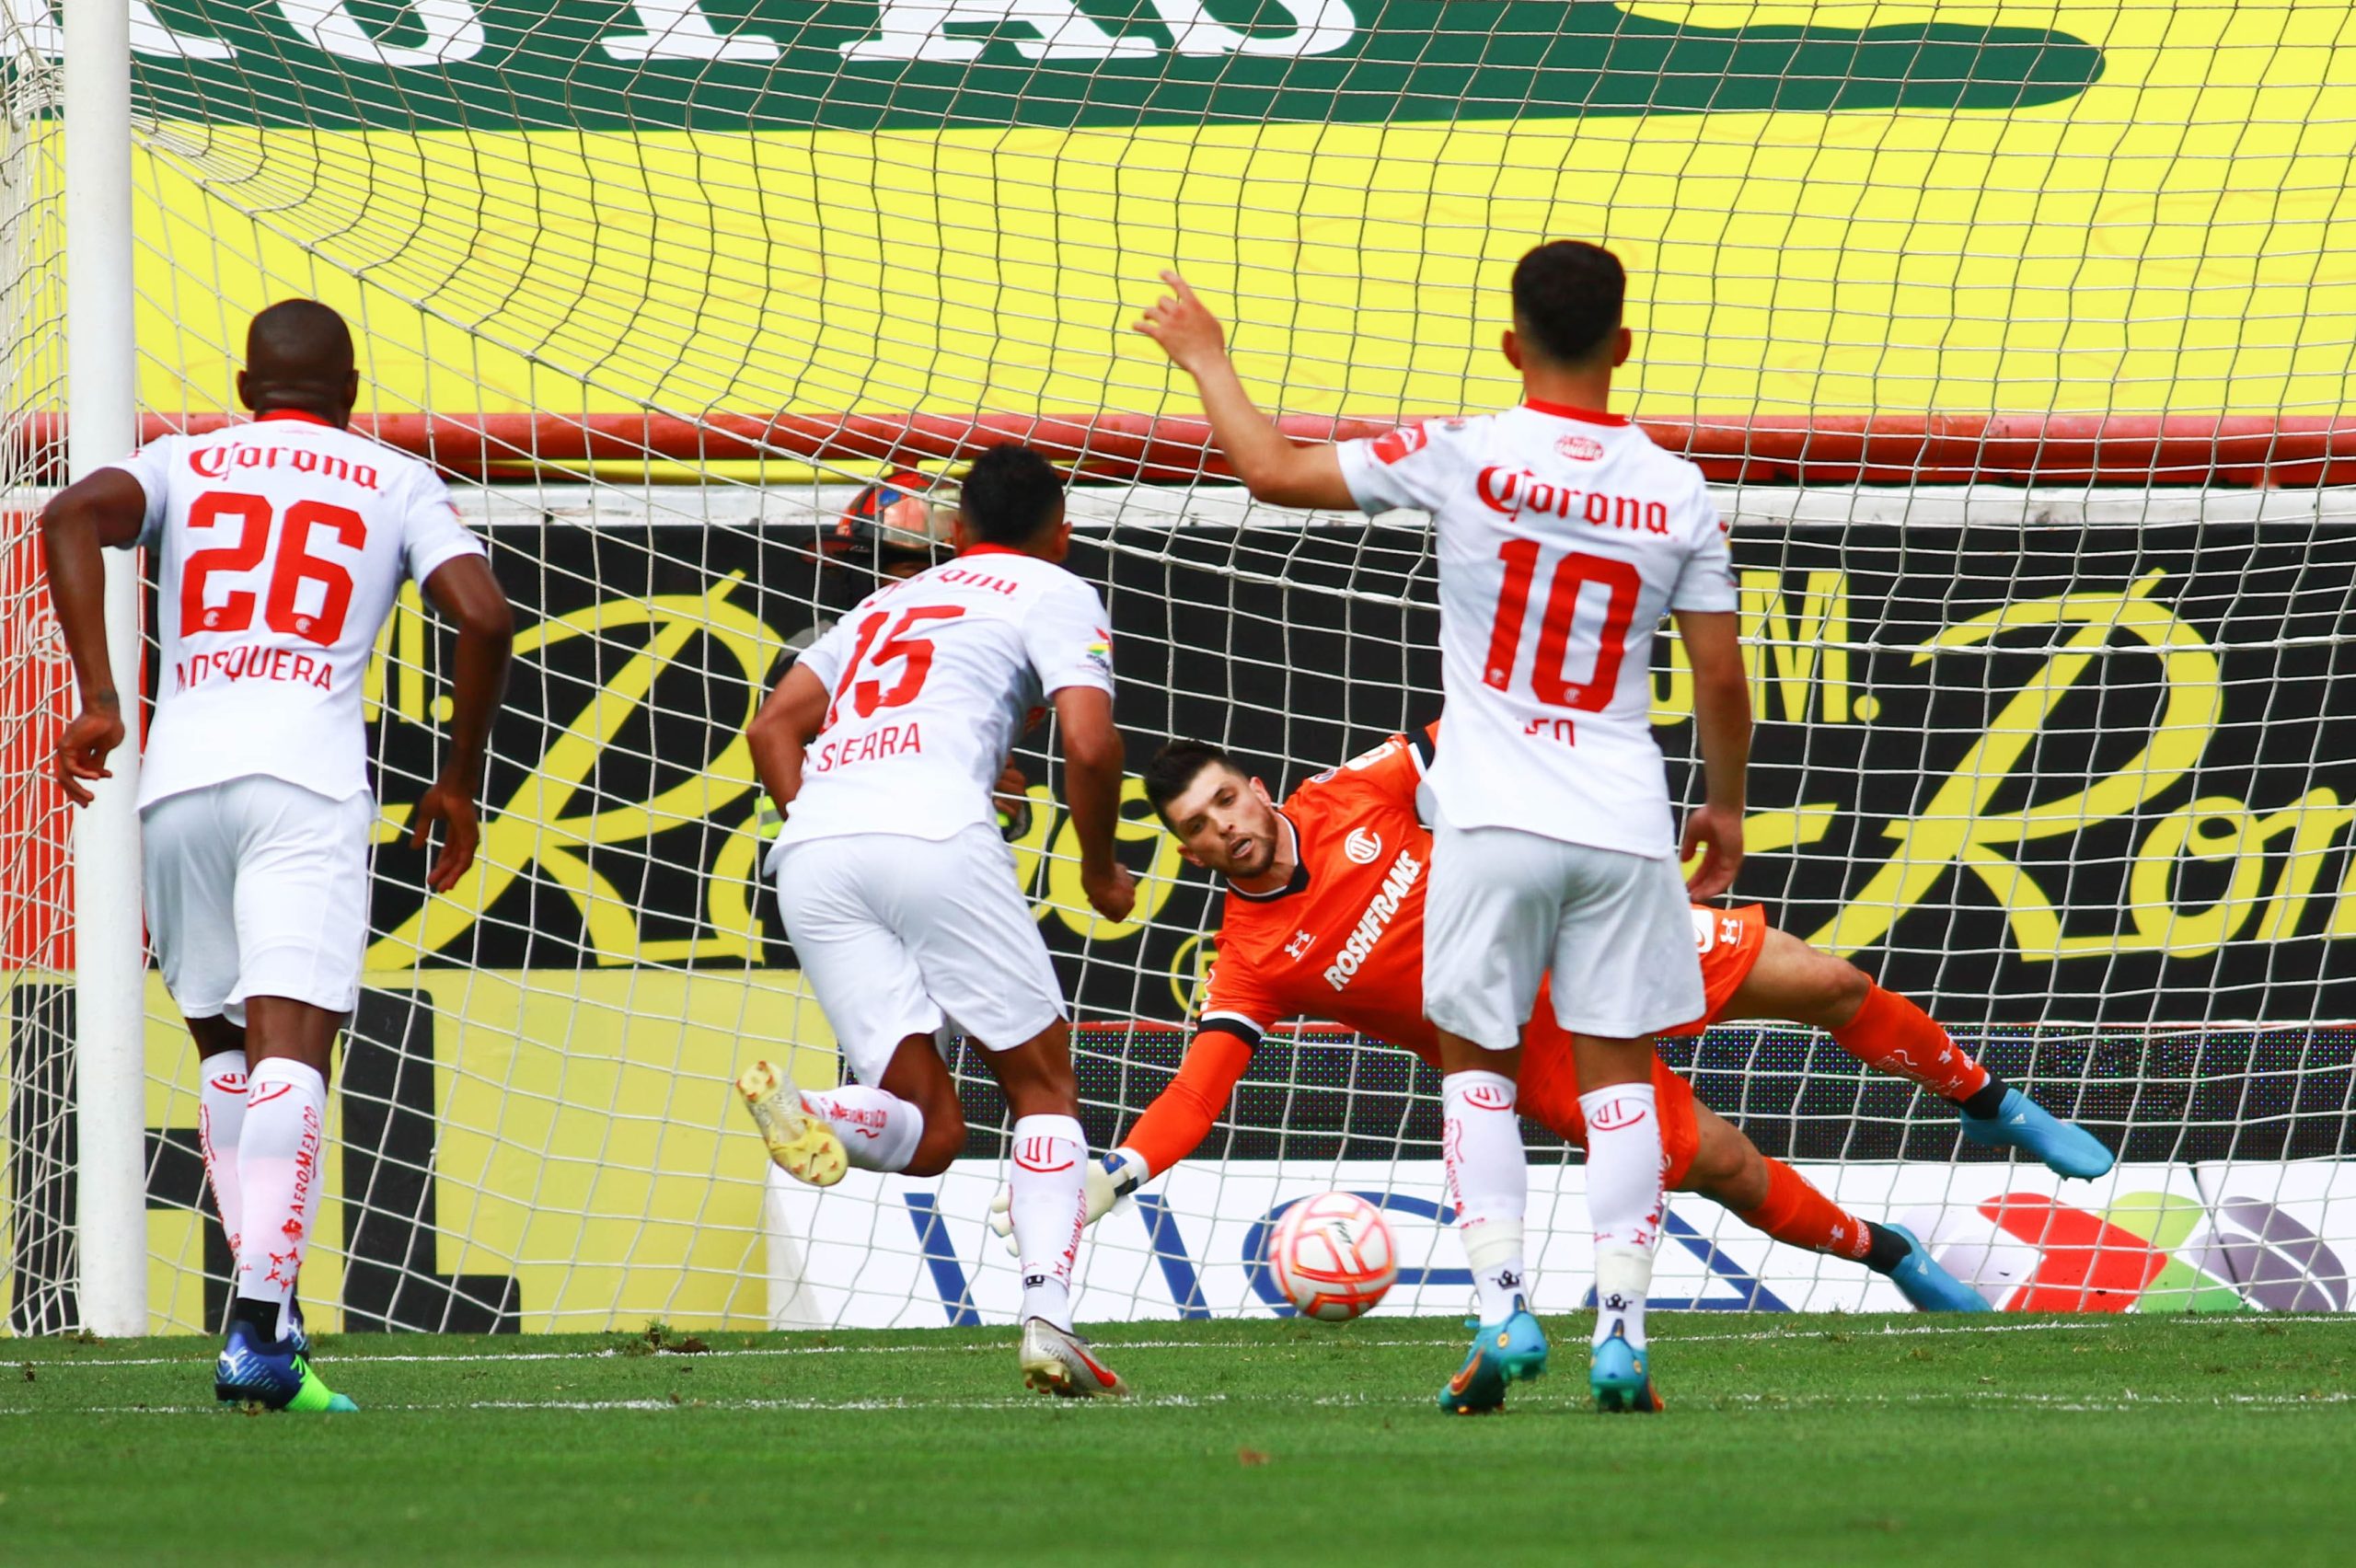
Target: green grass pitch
x,y
1788,1440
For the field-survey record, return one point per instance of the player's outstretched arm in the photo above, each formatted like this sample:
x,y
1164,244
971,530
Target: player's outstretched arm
x,y
106,509
1173,1127
1093,762
781,731
1269,462
465,591
1721,724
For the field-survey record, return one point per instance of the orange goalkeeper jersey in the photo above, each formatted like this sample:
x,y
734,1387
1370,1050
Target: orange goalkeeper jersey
x,y
1345,940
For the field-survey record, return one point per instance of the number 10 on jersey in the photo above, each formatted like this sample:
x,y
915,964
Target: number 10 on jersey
x,y
1549,678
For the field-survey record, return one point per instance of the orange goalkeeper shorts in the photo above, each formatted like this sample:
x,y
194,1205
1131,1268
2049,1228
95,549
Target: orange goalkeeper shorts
x,y
1550,1094
1729,942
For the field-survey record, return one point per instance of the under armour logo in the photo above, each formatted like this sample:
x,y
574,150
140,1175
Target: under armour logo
x,y
1301,942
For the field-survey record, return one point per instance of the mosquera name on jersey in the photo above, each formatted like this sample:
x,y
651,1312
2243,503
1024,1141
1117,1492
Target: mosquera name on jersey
x,y
280,546
1563,536
931,679
1345,940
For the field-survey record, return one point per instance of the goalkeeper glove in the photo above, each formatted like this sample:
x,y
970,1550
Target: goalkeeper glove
x,y
1109,1181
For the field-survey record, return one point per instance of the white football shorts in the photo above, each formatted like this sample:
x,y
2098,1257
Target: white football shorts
x,y
256,887
1505,906
897,932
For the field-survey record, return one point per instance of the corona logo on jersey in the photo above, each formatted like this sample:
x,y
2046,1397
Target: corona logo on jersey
x,y
1510,494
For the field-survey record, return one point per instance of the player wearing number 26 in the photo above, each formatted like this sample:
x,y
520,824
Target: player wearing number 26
x,y
1563,536
881,746
277,548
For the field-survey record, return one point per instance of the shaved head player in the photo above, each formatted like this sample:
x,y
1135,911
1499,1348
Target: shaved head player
x,y
278,547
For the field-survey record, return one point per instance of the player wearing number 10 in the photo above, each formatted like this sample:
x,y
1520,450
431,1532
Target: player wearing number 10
x,y
277,548
1563,536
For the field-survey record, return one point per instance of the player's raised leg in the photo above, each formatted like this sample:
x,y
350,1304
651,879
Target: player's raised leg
x,y
899,1113
1891,1034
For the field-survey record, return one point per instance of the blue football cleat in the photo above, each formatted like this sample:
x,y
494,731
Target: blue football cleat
x,y
1931,1289
292,1321
1619,1376
1510,1352
2021,1123
272,1376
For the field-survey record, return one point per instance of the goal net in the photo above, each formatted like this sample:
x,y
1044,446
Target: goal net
x,y
2013,340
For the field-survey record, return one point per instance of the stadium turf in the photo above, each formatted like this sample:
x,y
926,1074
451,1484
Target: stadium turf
x,y
1788,1440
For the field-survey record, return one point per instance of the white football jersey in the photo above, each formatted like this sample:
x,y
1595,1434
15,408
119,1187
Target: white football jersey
x,y
932,679
277,548
1563,537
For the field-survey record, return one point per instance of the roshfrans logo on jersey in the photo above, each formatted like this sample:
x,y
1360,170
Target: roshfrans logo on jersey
x,y
215,462
1376,920
1512,494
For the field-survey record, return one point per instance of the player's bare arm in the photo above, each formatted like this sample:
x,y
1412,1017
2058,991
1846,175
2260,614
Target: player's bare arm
x,y
781,732
1722,725
1093,757
87,518
1272,465
466,591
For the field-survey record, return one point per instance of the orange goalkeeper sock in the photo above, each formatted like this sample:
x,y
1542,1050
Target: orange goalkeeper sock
x,y
1892,1035
1796,1213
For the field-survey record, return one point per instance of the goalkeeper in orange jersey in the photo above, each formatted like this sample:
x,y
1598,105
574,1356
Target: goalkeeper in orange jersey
x,y
1324,919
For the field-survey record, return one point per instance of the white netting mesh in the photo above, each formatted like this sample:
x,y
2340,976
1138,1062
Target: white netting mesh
x,y
2062,760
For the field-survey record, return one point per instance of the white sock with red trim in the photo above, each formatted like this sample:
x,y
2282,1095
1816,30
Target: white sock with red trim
x,y
1623,1203
278,1167
1489,1173
1048,1201
220,1123
880,1130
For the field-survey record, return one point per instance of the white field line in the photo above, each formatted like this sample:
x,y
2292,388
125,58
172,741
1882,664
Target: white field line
x,y
2125,1400
200,1353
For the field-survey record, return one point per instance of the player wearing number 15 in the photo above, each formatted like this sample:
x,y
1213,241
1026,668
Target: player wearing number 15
x,y
277,548
1563,536
881,746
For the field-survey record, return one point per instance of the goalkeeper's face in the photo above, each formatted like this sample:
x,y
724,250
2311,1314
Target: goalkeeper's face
x,y
1225,822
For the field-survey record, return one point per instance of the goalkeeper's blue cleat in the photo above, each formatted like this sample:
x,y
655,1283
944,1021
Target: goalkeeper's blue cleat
x,y
1930,1287
2021,1123
1620,1377
272,1376
1502,1353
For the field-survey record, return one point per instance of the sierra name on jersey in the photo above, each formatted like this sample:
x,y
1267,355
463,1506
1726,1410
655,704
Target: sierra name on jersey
x,y
931,680
280,548
1563,536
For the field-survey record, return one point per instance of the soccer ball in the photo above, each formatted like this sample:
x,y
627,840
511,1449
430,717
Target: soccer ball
x,y
1332,1256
